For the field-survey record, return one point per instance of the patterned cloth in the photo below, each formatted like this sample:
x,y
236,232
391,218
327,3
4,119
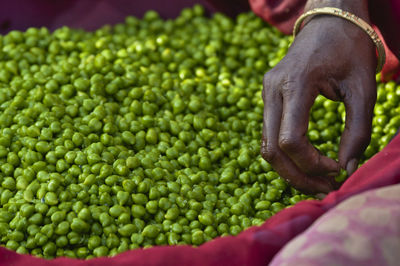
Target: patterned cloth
x,y
362,230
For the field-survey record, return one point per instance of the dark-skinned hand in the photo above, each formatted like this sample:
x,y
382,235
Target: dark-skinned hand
x,y
332,57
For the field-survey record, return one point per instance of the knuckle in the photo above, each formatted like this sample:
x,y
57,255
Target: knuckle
x,y
289,142
266,79
271,79
264,94
364,139
271,83
268,153
362,134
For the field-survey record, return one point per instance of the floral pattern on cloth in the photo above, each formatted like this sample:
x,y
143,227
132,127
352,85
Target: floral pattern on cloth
x,y
362,230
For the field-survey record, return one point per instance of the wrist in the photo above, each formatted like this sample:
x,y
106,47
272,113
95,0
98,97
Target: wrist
x,y
352,32
357,7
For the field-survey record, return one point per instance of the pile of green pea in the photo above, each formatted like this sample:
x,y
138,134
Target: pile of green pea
x,y
145,133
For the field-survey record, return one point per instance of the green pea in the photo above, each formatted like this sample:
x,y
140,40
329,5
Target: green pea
x,y
16,236
139,198
58,216
150,231
272,195
295,199
127,230
82,252
172,214
78,225
263,215
227,176
138,211
49,249
12,244
235,230
263,205
36,218
152,206
94,242
41,239
198,237
237,208
173,238
27,210
51,198
206,218
101,251
61,241
277,206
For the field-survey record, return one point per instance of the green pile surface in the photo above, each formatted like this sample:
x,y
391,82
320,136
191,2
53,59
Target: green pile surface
x,y
145,133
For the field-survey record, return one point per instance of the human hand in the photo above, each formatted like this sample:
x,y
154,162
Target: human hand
x,y
332,57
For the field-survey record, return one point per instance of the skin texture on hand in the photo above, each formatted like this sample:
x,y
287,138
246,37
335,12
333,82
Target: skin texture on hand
x,y
332,57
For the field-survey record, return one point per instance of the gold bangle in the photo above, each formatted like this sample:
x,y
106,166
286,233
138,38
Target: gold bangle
x,y
352,18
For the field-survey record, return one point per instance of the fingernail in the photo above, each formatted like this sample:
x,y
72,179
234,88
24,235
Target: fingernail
x,y
335,173
320,196
351,166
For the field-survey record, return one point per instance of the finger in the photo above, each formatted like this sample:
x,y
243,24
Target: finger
x,y
287,169
271,122
293,139
271,152
320,196
359,102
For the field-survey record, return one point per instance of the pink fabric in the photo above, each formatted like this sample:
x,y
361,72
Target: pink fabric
x,y
86,14
255,246
362,230
92,14
280,13
391,68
